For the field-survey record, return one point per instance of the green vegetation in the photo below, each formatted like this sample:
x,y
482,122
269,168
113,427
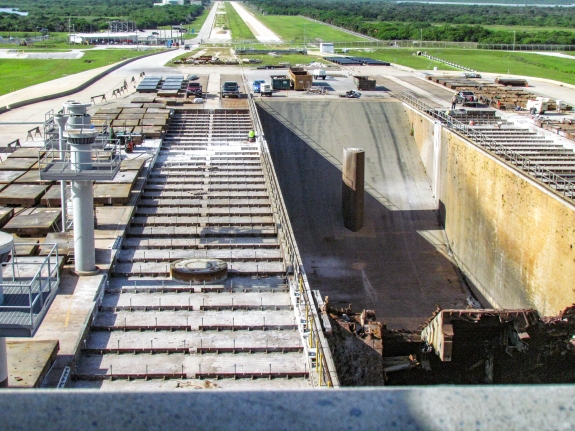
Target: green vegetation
x,y
503,62
196,25
93,15
387,20
294,28
405,57
17,74
240,31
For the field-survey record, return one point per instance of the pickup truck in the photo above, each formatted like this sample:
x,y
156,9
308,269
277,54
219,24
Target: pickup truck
x,y
230,89
194,89
466,98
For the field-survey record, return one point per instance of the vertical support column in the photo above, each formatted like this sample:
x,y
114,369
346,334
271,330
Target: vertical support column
x,y
62,120
353,188
84,244
437,132
3,364
6,245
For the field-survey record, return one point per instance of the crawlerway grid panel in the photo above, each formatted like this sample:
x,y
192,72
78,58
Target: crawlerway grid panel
x,y
204,198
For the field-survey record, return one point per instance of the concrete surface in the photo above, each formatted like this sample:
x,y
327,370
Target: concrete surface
x,y
29,361
512,236
396,264
444,408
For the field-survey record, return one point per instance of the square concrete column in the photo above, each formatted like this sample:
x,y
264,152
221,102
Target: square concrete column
x,y
352,188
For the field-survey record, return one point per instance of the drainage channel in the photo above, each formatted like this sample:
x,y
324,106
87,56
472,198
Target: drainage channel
x,y
205,199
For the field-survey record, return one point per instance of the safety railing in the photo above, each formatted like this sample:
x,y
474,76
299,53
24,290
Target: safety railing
x,y
94,163
561,185
317,348
27,298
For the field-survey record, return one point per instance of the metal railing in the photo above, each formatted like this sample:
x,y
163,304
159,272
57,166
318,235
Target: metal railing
x,y
316,340
72,164
33,294
562,185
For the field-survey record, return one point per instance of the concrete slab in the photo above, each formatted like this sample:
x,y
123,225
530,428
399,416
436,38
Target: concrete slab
x,y
14,164
133,164
26,153
29,362
32,177
25,195
5,215
52,197
65,241
122,177
38,222
109,194
26,246
7,177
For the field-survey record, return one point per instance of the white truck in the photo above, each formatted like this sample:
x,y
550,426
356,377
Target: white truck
x,y
319,74
265,89
538,106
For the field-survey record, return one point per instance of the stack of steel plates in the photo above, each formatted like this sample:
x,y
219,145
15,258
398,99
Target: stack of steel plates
x,y
173,82
149,84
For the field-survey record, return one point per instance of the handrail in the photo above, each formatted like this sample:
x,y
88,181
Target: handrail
x,y
562,185
325,367
36,288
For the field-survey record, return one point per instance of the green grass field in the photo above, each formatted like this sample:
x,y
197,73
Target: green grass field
x,y
240,31
17,74
295,28
405,57
516,63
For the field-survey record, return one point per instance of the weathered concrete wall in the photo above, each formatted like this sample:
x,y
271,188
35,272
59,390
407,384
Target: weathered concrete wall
x,y
511,236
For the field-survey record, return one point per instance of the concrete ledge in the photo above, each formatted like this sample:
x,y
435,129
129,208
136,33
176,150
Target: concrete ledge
x,y
423,408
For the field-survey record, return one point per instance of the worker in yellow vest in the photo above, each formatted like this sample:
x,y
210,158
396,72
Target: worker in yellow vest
x,y
251,136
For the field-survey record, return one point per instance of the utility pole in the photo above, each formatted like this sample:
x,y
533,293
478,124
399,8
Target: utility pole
x,y
513,40
421,37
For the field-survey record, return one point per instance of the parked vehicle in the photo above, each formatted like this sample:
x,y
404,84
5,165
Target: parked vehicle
x,y
256,85
187,47
194,89
230,89
538,106
351,94
466,98
319,74
265,89
470,75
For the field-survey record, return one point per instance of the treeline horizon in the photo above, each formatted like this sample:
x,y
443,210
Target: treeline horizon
x,y
452,23
92,15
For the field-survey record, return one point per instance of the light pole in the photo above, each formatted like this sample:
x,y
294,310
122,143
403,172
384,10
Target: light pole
x,y
513,40
304,26
420,37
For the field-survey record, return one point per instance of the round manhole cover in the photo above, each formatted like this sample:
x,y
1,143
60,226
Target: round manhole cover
x,y
199,270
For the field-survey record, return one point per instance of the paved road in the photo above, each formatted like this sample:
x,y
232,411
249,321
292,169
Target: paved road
x,y
260,31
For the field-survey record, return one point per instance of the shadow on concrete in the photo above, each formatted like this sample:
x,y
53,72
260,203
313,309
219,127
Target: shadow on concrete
x,y
387,266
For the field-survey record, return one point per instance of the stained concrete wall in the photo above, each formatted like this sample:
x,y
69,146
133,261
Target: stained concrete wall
x,y
511,236
396,263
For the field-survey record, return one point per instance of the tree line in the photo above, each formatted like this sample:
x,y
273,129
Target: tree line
x,y
92,15
457,23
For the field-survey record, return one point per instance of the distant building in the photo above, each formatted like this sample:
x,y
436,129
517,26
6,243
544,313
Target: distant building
x,y
326,48
165,2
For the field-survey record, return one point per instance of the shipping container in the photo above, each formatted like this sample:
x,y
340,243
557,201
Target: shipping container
x,y
280,82
300,79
